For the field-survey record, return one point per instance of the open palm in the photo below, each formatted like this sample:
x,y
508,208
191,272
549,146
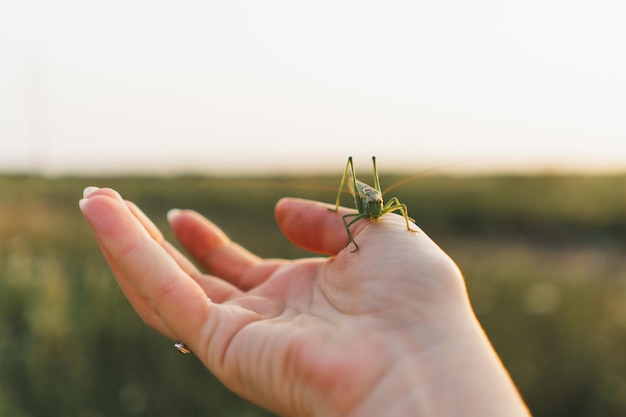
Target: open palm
x,y
288,335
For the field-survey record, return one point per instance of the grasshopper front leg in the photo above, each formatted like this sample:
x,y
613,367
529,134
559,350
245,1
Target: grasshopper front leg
x,y
357,217
394,204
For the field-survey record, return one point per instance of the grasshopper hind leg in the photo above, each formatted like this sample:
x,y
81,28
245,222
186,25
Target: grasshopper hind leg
x,y
349,168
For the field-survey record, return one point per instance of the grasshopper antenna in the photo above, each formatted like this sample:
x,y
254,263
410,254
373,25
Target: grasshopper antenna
x,y
414,177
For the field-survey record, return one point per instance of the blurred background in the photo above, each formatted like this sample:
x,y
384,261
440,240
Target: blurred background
x,y
515,108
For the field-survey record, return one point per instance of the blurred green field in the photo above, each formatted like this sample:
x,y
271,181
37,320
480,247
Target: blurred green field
x,y
543,256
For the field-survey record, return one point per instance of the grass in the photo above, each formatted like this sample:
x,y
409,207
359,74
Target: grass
x,y
543,258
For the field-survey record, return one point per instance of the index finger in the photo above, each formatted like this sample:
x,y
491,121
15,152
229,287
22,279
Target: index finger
x,y
175,297
315,226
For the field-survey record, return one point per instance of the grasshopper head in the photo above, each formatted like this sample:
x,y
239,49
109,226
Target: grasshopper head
x,y
373,203
375,209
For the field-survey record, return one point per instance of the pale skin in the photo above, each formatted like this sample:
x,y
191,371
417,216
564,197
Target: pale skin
x,y
385,331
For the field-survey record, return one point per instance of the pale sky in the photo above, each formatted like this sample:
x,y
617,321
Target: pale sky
x,y
291,86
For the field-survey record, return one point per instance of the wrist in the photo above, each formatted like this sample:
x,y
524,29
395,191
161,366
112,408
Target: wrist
x,y
459,374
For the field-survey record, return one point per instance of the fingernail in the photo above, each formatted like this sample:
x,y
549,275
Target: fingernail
x,y
87,191
172,214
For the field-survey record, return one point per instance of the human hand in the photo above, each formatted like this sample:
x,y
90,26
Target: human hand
x,y
387,330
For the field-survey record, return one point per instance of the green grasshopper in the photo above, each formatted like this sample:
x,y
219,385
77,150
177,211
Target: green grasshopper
x,y
368,201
